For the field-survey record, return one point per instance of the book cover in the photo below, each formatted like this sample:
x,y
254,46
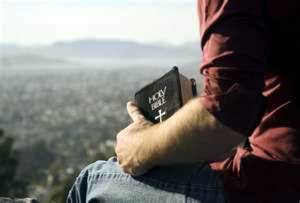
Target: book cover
x,y
163,97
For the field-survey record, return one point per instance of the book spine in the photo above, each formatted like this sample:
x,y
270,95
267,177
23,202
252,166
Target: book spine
x,y
194,87
175,68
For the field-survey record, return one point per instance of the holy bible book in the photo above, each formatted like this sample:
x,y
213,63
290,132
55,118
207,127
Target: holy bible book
x,y
163,97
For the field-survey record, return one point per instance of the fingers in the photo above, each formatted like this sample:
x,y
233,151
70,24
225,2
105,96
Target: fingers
x,y
134,112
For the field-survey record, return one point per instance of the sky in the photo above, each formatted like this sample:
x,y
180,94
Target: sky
x,y
31,22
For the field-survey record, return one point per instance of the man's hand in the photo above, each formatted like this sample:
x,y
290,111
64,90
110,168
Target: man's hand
x,y
190,136
132,148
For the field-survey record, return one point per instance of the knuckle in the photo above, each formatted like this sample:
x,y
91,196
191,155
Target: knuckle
x,y
126,169
120,161
119,135
117,150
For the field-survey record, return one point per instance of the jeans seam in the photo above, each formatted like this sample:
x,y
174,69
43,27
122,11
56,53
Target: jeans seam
x,y
96,178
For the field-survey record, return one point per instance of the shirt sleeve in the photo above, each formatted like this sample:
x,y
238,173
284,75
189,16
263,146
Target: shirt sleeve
x,y
234,46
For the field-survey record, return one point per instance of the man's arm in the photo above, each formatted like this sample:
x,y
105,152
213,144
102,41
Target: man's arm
x,y
233,39
191,135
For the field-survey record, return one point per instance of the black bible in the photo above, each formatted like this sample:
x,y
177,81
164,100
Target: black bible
x,y
163,97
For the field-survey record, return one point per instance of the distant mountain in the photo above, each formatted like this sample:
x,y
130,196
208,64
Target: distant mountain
x,y
104,49
115,48
102,53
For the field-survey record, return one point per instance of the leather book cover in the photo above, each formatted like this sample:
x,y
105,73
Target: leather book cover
x,y
163,97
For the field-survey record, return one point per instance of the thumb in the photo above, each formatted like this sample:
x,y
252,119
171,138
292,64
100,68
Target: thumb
x,y
134,112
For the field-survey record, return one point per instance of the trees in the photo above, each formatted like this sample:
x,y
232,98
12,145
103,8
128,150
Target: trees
x,y
9,185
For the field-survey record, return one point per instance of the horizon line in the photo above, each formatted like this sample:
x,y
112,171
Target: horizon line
x,y
162,43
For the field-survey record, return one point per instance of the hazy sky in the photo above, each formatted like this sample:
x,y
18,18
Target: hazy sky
x,y
46,21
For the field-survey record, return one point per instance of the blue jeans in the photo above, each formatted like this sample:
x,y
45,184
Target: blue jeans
x,y
104,181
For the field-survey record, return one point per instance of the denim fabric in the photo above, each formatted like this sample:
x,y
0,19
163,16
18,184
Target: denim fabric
x,y
104,181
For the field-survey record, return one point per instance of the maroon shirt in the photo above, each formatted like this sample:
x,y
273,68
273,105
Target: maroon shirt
x,y
249,50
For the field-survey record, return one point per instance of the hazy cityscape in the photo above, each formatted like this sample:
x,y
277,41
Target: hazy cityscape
x,y
64,104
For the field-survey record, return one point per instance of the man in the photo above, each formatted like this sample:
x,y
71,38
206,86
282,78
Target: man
x,y
249,97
